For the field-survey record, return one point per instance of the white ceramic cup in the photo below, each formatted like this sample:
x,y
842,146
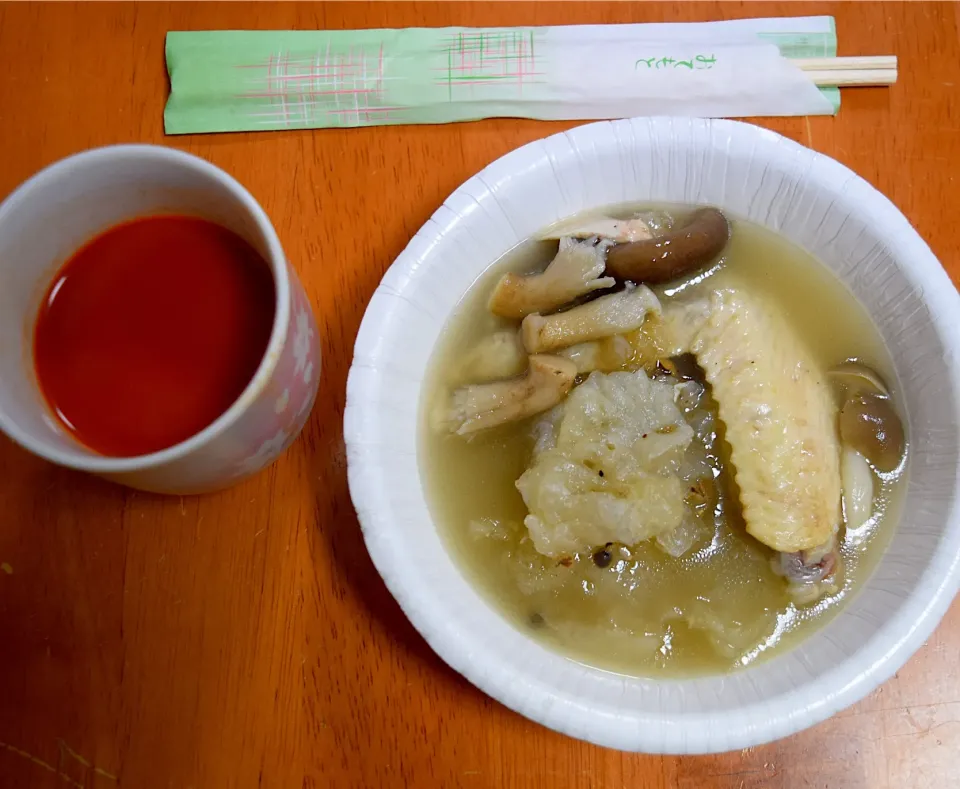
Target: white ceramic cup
x,y
53,214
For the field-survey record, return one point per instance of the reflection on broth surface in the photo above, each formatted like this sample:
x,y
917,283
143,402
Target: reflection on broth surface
x,y
671,495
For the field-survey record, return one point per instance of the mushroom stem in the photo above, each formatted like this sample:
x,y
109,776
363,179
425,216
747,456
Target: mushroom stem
x,y
618,230
479,406
498,355
575,271
857,480
617,313
610,353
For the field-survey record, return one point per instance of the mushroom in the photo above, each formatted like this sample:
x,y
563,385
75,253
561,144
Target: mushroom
x,y
610,353
575,271
857,481
617,230
856,377
498,355
479,406
870,425
671,254
617,313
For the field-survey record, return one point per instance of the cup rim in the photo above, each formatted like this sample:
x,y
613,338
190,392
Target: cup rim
x,y
276,260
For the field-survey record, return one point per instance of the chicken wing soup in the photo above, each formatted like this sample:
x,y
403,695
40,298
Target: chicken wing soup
x,y
663,441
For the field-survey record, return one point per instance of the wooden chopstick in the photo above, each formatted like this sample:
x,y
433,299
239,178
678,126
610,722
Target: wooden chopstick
x,y
869,63
865,71
852,79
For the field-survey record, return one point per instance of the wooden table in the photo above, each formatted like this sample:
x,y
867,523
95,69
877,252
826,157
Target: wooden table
x,y
244,639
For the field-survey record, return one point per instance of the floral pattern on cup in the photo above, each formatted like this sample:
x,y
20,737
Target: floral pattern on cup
x,y
282,408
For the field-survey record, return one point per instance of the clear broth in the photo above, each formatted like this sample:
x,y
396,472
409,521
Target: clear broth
x,y
718,608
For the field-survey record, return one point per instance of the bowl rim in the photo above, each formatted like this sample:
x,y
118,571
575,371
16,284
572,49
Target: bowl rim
x,y
942,576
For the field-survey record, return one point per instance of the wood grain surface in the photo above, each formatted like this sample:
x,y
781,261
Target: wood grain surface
x,y
243,639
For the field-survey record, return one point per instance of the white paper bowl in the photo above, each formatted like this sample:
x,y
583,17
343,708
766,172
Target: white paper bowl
x,y
754,173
